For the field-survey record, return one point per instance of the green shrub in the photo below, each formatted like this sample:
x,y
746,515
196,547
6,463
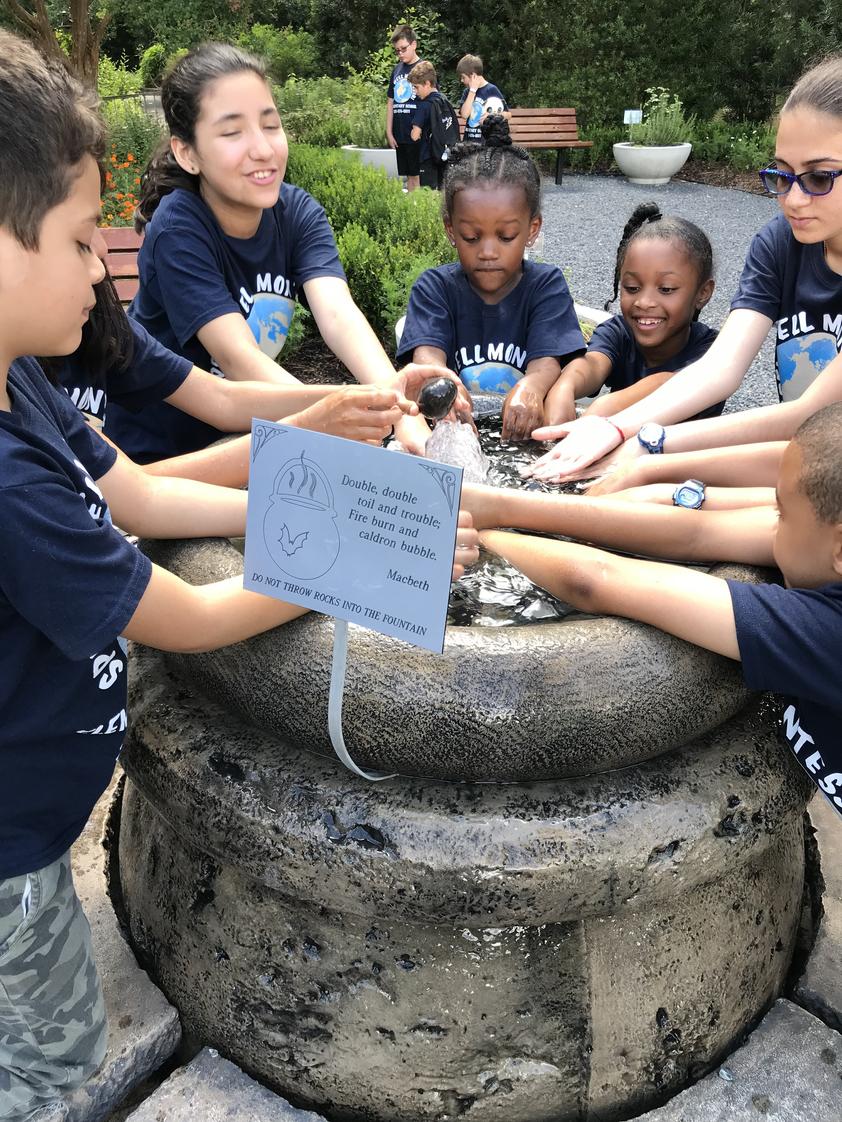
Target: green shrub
x,y
286,52
152,64
664,120
386,238
115,79
330,112
743,145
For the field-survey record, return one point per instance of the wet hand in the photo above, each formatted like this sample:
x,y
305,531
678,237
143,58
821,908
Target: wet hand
x,y
621,469
582,443
466,552
523,411
413,433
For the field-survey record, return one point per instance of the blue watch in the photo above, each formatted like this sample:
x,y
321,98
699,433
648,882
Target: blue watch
x,y
690,494
652,436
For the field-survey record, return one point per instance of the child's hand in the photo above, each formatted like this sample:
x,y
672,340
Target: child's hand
x,y
583,442
367,413
475,82
622,470
523,410
467,545
411,379
560,404
412,433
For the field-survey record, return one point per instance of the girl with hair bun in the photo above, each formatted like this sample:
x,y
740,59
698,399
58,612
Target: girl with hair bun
x,y
664,275
791,282
228,249
505,325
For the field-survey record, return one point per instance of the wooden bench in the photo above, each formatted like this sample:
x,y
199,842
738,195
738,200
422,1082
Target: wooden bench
x,y
121,260
545,128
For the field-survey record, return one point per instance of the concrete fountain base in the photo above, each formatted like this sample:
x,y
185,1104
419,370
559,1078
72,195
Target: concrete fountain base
x,y
569,950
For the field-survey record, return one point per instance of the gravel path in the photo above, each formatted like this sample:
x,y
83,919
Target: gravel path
x,y
583,221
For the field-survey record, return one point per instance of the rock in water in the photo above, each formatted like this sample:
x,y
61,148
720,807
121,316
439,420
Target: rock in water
x,y
454,443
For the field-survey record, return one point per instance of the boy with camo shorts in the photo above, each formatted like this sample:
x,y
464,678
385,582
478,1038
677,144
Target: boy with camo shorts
x,y
72,588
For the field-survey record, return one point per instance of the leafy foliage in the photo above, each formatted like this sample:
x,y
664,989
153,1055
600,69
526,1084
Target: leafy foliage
x,y
386,238
153,62
286,52
664,122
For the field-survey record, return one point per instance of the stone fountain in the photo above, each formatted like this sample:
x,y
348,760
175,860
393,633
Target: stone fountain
x,y
582,889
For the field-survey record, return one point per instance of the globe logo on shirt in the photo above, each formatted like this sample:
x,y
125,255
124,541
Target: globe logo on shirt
x,y
490,377
269,320
801,360
403,90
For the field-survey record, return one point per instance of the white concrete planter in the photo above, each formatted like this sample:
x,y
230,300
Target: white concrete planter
x,y
641,163
384,158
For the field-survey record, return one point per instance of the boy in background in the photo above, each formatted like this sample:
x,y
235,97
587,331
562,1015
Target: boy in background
x,y
424,81
479,96
401,106
789,639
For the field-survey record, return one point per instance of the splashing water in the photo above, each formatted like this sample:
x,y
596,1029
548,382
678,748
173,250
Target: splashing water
x,y
454,443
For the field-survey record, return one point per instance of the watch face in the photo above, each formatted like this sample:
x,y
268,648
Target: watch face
x,y
651,436
688,496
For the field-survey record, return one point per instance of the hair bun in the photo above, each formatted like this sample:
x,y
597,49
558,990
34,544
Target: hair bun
x,y
495,131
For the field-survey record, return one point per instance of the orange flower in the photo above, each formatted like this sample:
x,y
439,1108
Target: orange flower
x,y
130,157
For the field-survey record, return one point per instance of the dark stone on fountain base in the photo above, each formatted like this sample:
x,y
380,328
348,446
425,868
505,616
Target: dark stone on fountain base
x,y
415,950
514,703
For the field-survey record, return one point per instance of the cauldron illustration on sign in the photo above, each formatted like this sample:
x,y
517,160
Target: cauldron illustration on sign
x,y
299,527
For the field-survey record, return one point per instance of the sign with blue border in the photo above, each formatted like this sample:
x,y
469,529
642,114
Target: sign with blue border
x,y
352,530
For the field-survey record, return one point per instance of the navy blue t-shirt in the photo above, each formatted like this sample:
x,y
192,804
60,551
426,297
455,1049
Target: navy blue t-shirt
x,y
404,102
615,340
69,584
790,642
792,284
487,97
191,273
490,345
152,375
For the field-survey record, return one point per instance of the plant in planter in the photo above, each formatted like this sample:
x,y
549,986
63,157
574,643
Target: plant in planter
x,y
658,146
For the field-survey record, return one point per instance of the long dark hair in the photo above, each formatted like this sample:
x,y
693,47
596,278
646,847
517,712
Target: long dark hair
x,y
107,341
495,160
181,100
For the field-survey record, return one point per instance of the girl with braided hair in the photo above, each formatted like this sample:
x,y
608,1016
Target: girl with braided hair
x,y
664,275
505,325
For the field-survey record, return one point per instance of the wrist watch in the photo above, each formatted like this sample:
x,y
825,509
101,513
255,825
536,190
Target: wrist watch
x,y
652,436
690,494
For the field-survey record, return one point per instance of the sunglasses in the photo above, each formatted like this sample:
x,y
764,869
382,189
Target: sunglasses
x,y
778,182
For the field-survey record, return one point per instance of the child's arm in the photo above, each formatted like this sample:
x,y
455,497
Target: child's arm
x,y
229,339
711,378
716,498
390,110
610,403
523,409
746,465
682,535
415,132
583,377
694,606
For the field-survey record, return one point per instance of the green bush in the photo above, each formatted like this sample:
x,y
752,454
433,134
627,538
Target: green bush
x,y
664,121
115,79
286,52
330,112
152,64
132,130
743,145
385,238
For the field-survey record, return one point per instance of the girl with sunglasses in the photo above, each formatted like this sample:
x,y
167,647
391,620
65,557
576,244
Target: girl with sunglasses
x,y
792,281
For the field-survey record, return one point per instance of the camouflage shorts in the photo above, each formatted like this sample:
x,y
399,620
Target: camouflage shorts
x,y
52,1018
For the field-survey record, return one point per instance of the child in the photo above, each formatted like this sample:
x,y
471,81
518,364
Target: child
x,y
119,361
791,280
424,81
505,325
70,584
664,272
401,107
228,247
788,639
479,97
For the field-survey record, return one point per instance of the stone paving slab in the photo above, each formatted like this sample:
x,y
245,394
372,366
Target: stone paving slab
x,y
789,1070
144,1030
820,987
212,1089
